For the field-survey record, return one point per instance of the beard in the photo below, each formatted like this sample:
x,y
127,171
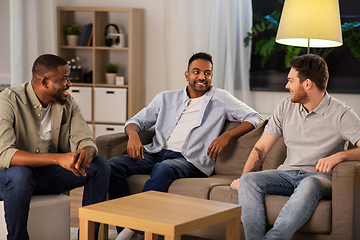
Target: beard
x,y
300,96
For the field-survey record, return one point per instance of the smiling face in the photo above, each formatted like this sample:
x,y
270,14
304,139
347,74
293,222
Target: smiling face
x,y
298,93
199,76
58,84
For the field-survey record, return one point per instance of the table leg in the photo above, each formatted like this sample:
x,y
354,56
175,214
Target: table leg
x,y
86,230
150,236
233,229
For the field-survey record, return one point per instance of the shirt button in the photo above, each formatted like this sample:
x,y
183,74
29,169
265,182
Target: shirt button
x,y
38,132
176,118
169,131
39,114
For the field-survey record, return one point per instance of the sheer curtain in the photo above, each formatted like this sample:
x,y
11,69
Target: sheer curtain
x,y
28,37
214,26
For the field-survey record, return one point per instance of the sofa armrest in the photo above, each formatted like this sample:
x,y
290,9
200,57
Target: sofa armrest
x,y
345,200
111,145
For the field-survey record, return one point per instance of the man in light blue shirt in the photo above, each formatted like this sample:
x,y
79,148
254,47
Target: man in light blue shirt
x,y
187,127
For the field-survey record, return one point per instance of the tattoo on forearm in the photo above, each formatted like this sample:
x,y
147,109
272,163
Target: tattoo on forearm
x,y
258,164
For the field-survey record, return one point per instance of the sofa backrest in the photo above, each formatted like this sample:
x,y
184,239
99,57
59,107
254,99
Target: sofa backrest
x,y
233,157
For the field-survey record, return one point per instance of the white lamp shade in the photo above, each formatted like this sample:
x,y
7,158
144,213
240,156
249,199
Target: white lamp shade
x,y
313,22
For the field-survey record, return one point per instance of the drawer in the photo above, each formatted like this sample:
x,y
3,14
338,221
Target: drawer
x,y
83,97
103,129
110,104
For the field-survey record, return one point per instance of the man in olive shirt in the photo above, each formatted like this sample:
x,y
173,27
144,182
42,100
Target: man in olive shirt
x,y
38,121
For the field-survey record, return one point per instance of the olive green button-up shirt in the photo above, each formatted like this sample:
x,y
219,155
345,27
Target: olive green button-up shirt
x,y
20,117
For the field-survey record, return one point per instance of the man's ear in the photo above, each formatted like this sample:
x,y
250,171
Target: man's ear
x,y
308,84
44,81
186,75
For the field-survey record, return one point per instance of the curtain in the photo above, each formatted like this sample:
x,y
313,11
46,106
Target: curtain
x,y
28,37
214,26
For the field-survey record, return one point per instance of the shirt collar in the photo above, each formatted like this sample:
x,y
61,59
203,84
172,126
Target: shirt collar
x,y
321,108
207,95
32,96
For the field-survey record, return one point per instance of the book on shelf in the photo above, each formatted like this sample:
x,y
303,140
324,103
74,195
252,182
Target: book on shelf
x,y
88,30
89,42
82,39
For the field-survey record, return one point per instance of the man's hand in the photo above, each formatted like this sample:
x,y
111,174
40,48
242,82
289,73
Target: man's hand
x,y
135,148
218,145
235,184
327,163
77,161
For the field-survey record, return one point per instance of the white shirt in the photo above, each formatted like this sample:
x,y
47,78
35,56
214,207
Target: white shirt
x,y
186,122
45,129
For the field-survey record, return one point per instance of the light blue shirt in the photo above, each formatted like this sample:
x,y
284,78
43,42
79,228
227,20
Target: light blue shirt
x,y
165,110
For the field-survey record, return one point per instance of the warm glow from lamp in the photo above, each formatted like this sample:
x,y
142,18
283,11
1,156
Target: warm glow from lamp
x,y
310,23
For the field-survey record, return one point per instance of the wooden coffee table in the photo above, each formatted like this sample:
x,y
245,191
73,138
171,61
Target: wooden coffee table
x,y
158,213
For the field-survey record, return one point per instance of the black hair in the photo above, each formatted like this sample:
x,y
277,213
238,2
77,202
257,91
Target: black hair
x,y
200,55
46,63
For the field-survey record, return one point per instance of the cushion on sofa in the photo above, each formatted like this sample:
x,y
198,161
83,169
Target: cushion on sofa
x,y
276,156
233,157
319,222
199,187
224,194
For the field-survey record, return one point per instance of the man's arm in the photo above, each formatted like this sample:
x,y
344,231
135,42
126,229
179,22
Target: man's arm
x,y
218,144
327,163
257,156
134,146
73,161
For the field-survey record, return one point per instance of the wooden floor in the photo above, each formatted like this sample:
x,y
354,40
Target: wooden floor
x,y
75,204
76,198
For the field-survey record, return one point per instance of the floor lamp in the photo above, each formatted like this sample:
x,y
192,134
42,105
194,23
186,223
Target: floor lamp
x,y
310,23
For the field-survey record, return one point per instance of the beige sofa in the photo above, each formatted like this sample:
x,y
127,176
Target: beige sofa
x,y
338,218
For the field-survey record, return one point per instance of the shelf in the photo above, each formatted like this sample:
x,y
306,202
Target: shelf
x,y
130,59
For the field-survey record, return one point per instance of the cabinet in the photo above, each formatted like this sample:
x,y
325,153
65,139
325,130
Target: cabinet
x,y
103,104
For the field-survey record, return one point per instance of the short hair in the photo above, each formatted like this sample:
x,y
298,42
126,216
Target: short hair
x,y
313,67
47,63
200,55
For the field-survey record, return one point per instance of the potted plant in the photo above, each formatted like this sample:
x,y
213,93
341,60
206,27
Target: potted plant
x,y
111,72
72,32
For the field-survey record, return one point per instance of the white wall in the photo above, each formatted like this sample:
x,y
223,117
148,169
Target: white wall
x,y
4,42
264,102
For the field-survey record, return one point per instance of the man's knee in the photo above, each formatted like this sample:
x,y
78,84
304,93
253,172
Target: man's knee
x,y
163,168
19,179
101,166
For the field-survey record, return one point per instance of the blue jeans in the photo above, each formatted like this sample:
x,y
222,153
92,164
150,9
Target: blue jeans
x,y
18,184
164,167
305,190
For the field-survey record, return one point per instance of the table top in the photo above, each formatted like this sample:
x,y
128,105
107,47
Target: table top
x,y
160,213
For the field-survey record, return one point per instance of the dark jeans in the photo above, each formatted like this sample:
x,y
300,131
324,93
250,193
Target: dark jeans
x,y
164,167
18,184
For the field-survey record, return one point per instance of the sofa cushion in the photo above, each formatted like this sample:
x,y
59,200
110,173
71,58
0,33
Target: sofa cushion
x,y
233,157
224,194
193,187
319,222
276,156
199,187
